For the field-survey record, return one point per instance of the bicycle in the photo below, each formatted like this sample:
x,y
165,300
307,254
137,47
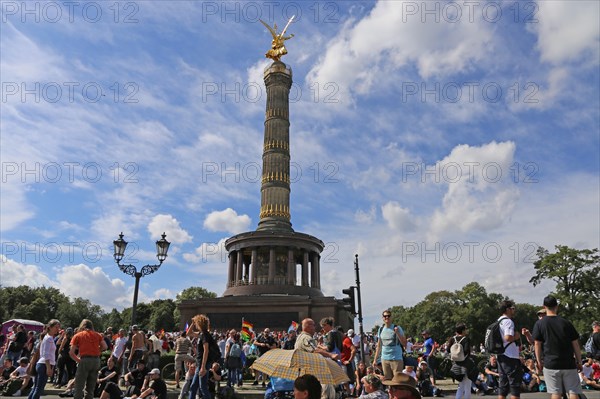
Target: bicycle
x,y
168,372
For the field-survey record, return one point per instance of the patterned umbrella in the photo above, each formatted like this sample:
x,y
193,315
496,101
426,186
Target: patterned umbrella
x,y
291,364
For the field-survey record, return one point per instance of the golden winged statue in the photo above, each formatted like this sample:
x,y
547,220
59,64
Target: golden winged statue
x,y
278,49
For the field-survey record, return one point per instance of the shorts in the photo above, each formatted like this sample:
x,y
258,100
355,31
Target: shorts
x,y
559,381
511,375
180,359
391,368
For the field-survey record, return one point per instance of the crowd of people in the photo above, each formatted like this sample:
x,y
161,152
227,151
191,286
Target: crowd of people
x,y
206,360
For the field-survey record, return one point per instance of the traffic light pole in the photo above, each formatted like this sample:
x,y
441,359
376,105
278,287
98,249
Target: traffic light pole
x,y
360,318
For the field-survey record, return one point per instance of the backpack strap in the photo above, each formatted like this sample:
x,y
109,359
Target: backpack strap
x,y
499,321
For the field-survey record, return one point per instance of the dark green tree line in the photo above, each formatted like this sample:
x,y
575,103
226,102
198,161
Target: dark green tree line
x,y
45,303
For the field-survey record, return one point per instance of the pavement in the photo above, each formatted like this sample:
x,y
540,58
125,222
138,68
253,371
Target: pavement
x,y
248,391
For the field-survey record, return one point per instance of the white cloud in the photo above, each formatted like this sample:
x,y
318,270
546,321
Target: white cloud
x,y
13,273
164,293
73,281
14,208
480,195
208,252
169,225
387,39
227,220
366,216
93,284
397,217
567,29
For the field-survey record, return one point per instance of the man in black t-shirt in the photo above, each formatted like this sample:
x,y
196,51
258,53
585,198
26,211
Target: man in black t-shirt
x,y
7,369
157,389
595,340
137,378
264,343
214,376
15,347
557,351
491,373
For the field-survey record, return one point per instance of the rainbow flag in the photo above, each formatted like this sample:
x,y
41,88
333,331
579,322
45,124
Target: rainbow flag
x,y
247,324
247,333
293,326
187,327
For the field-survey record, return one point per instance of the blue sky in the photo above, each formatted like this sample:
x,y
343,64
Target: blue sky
x,y
441,141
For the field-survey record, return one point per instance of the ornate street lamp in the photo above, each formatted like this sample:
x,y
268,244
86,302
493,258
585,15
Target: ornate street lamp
x,y
162,247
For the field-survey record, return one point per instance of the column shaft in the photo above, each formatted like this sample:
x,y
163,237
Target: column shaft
x,y
291,271
272,266
231,267
305,269
254,267
240,267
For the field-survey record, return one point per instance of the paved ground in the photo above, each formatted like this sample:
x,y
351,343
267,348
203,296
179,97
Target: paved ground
x,y
251,392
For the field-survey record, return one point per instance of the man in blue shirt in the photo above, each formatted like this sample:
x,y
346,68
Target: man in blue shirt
x,y
390,342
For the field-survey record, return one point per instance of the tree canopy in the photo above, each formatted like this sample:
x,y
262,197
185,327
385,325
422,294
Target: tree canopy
x,y
440,311
45,303
576,273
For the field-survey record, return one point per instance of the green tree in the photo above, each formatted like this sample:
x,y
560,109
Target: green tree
x,y
193,293
576,273
38,304
189,294
162,315
70,314
114,320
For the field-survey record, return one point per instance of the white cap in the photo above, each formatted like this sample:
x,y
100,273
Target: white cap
x,y
154,371
350,332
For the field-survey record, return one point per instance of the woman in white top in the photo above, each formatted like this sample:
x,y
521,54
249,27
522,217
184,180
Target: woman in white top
x,y
45,365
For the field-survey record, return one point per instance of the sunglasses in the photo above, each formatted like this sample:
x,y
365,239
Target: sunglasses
x,y
387,316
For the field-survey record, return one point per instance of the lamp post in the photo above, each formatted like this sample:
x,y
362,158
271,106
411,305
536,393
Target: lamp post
x,y
162,247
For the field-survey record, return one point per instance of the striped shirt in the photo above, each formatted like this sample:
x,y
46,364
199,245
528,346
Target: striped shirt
x,y
182,346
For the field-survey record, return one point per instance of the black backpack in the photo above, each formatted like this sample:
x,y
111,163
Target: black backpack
x,y
493,342
214,353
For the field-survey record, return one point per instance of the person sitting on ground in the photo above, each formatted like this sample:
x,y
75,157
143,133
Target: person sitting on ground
x,y
215,375
373,388
426,382
307,386
479,385
410,370
586,375
401,386
7,370
157,388
531,380
137,379
359,374
19,381
491,372
108,373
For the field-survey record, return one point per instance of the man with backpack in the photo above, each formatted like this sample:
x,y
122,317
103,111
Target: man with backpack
x,y
557,352
592,346
390,342
509,364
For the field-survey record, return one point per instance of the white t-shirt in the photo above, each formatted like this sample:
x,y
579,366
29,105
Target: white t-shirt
x,y
246,348
356,341
409,346
21,371
587,371
507,327
413,373
119,347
